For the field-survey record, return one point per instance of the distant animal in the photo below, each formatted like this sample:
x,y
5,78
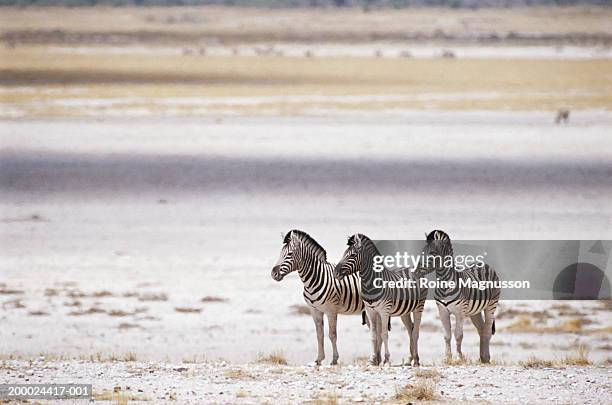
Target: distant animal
x,y
448,54
405,54
462,300
323,293
202,51
308,54
378,53
562,116
383,303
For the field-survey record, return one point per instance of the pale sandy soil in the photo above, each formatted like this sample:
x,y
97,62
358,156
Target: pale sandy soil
x,y
219,382
108,227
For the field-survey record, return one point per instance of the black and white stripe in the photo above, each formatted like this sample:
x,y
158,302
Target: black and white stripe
x,y
461,299
383,303
322,291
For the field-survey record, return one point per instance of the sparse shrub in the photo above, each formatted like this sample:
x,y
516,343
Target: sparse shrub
x,y
276,357
580,358
534,362
420,390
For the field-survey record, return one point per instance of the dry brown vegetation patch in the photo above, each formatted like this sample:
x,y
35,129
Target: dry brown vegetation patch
x,y
420,390
276,357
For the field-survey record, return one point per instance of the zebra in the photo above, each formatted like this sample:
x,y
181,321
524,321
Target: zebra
x,y
462,300
322,292
383,303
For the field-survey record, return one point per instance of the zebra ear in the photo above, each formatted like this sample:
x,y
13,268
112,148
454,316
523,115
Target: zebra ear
x,y
425,235
282,236
357,241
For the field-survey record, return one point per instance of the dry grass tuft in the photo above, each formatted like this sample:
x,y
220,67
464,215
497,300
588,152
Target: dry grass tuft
x,y
524,325
210,298
100,294
527,345
277,357
90,311
430,373
153,297
514,313
326,399
571,326
420,390
188,310
119,313
534,362
128,325
238,374
38,313
9,291
580,358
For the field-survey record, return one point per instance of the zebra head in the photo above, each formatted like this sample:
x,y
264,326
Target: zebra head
x,y
437,249
286,261
354,257
299,252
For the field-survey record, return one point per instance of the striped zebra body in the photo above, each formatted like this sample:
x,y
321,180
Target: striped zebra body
x,y
461,299
383,303
323,293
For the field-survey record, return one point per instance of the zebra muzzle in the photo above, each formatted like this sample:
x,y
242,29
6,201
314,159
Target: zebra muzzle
x,y
276,274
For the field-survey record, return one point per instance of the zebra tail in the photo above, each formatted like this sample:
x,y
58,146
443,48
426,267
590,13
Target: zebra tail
x,y
493,333
364,318
389,324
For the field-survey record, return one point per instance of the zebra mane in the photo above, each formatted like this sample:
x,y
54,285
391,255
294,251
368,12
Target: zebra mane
x,y
304,237
364,240
437,235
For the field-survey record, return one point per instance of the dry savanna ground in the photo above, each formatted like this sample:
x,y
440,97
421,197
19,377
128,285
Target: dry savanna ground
x,y
41,82
198,61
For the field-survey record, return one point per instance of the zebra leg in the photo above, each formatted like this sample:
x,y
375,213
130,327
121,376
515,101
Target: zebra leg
x,y
374,326
407,321
332,321
485,337
415,337
478,322
459,331
446,324
385,336
317,316
379,328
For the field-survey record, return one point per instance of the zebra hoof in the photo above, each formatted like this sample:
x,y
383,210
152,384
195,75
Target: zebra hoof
x,y
334,363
